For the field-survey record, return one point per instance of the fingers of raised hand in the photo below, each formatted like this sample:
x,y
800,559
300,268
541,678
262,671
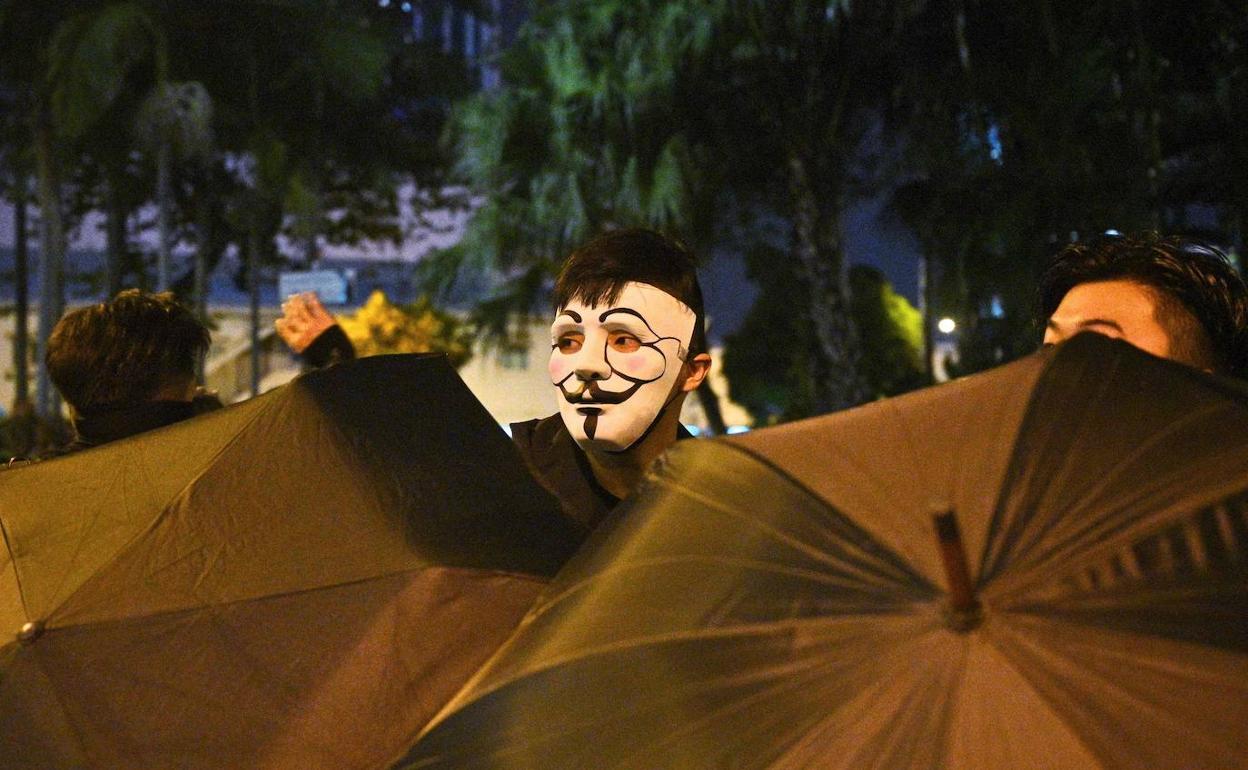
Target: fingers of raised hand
x,y
293,333
316,311
295,309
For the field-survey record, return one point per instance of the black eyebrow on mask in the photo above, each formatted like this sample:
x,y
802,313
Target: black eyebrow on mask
x,y
627,311
575,316
1084,324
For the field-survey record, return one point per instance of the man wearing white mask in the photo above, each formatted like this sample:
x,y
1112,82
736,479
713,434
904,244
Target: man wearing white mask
x,y
628,344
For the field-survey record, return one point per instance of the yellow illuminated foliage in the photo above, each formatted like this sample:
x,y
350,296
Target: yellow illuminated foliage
x,y
381,327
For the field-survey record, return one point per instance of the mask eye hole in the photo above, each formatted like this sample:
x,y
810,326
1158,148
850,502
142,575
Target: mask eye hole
x,y
623,342
569,342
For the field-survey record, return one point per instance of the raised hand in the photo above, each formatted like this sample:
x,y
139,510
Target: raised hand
x,y
303,319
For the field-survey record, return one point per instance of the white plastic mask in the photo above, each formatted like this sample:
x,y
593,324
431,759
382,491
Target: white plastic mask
x,y
616,366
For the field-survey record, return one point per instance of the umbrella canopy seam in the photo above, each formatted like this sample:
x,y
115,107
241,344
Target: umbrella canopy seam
x,y
737,631
281,594
17,576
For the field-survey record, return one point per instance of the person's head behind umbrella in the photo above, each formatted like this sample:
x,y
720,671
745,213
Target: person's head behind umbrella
x,y
628,341
1175,297
119,355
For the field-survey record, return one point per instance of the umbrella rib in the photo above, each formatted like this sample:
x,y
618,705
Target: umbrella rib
x,y
17,575
1108,477
819,556
795,677
1015,648
844,580
1003,534
865,476
942,684
1010,538
77,733
861,538
806,671
1110,541
744,629
1110,526
298,591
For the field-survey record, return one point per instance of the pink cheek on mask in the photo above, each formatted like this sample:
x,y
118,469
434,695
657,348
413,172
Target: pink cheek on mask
x,y
560,367
636,366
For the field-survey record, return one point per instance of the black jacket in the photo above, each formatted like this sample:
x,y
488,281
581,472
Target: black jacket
x,y
98,428
561,466
548,449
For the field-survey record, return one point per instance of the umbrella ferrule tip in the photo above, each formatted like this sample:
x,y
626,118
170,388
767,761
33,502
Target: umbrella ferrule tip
x,y
965,618
29,632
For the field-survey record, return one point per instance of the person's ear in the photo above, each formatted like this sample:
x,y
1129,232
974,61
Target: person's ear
x,y
697,369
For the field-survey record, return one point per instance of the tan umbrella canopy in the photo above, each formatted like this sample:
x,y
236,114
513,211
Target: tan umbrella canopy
x,y
298,581
787,598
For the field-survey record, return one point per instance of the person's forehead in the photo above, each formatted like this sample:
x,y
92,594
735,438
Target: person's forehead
x,y
641,297
1110,300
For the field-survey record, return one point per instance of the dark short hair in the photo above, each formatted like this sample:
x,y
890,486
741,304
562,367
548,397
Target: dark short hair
x,y
123,352
597,272
1202,302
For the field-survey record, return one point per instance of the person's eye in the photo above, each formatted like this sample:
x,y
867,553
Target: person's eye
x,y
623,342
569,343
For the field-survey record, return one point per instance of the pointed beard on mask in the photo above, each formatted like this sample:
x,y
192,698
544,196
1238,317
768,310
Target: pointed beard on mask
x,y
616,367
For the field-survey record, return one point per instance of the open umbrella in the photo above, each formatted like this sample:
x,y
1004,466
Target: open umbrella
x,y
799,596
301,580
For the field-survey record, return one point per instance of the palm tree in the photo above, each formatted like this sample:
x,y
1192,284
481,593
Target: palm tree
x,y
175,124
84,59
664,113
15,185
51,250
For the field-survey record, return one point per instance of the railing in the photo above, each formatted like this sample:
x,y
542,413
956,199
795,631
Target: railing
x,y
229,373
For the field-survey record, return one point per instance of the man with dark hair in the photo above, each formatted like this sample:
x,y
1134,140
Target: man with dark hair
x,y
628,344
1173,297
127,366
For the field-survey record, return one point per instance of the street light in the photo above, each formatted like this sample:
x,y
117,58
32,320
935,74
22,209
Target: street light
x,y
946,325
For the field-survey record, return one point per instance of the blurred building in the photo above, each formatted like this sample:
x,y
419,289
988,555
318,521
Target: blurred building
x,y
478,37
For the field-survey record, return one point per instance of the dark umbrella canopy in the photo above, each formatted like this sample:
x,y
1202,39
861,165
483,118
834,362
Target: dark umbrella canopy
x,y
301,580
781,599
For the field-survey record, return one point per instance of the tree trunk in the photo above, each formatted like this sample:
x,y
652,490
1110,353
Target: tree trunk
x,y
203,236
710,408
253,293
51,258
204,244
926,295
21,291
115,226
818,250
164,196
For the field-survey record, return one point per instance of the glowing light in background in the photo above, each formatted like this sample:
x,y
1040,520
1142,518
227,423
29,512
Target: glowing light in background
x,y
947,325
994,143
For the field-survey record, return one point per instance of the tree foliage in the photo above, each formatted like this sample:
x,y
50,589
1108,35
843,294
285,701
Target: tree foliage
x,y
684,116
1029,125
767,361
579,139
242,121
380,327
891,329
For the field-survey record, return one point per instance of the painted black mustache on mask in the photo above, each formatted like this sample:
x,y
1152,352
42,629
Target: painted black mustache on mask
x,y
592,394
